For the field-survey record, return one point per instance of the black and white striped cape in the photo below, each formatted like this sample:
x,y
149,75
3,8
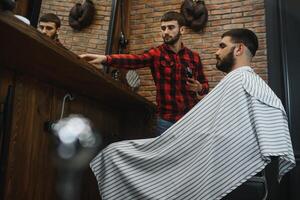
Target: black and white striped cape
x,y
223,141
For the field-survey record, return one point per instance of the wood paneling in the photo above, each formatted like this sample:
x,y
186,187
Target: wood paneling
x,y
6,89
29,168
42,74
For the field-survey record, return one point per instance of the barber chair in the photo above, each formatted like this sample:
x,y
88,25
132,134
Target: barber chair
x,y
253,189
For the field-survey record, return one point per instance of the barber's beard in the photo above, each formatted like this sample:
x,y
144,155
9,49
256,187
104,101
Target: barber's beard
x,y
172,41
226,64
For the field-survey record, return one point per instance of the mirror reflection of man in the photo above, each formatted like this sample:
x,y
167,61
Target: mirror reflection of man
x,y
49,24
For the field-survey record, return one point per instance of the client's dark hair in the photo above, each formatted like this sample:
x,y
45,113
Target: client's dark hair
x,y
245,36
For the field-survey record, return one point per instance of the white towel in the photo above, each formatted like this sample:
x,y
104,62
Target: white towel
x,y
223,141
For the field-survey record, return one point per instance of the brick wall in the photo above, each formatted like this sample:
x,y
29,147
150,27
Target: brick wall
x,y
145,31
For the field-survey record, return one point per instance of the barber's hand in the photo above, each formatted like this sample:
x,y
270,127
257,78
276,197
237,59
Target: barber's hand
x,y
194,85
94,59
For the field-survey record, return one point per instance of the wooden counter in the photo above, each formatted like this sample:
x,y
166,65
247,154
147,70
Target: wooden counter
x,y
35,75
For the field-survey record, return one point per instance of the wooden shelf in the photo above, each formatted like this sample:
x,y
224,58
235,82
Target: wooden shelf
x,y
25,50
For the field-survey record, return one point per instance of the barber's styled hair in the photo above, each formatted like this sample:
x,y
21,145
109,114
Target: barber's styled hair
x,y
50,17
172,15
245,36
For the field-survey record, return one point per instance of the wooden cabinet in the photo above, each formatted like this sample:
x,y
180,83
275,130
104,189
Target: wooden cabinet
x,y
36,74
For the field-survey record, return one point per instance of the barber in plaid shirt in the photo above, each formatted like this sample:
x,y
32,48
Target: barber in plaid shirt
x,y
176,70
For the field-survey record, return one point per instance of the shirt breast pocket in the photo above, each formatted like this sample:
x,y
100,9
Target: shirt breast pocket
x,y
166,69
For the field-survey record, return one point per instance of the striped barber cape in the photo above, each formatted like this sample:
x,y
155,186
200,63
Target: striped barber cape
x,y
227,138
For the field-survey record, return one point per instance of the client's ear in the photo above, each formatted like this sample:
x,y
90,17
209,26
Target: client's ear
x,y
239,49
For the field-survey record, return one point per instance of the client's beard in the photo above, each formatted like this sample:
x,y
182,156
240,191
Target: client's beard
x,y
226,64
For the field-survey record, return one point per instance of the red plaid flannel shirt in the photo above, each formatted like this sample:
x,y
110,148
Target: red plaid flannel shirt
x,y
169,73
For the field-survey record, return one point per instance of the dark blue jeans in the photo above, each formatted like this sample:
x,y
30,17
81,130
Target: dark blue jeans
x,y
162,125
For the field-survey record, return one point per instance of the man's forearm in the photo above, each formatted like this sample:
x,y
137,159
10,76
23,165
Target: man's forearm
x,y
129,61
